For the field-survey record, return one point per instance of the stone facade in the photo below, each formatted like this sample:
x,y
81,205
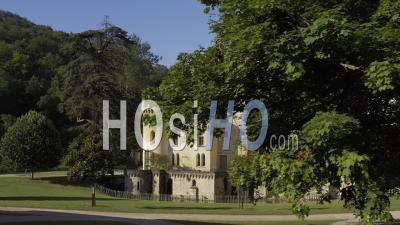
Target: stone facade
x,y
200,174
196,185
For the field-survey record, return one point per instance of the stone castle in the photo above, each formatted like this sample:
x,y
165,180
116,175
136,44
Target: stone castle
x,y
198,174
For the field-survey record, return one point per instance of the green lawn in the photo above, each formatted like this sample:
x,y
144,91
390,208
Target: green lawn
x,y
53,191
43,174
255,222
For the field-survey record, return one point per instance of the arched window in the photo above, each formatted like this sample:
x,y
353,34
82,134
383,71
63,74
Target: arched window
x,y
201,140
173,160
203,159
193,183
177,159
152,135
198,159
175,139
138,186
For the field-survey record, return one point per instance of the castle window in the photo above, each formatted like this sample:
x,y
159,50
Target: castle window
x,y
203,159
198,159
193,183
175,139
177,159
173,160
152,135
138,186
201,140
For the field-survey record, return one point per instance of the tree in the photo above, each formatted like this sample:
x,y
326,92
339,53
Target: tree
x,y
301,58
244,175
330,152
6,121
87,159
32,143
66,76
30,55
104,64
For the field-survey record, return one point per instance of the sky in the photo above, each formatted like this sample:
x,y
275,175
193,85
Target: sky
x,y
169,26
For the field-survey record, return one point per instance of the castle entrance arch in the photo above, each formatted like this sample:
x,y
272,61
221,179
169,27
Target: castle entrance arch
x,y
169,187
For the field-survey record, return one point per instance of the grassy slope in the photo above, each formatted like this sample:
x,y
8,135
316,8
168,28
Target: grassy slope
x,y
55,192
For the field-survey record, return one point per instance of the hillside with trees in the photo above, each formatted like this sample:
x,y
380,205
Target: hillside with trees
x,y
328,71
64,77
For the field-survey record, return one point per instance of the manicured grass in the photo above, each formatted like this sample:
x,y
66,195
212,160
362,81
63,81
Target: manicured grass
x,y
255,222
68,223
42,174
52,190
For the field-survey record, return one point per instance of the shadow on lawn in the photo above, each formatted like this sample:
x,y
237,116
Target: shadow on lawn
x,y
34,217
51,198
63,180
186,208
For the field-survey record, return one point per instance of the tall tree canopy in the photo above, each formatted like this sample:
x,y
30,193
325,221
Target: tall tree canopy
x,y
32,143
301,58
67,76
29,57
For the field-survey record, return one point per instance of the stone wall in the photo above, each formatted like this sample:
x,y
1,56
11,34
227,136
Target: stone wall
x,y
197,185
139,181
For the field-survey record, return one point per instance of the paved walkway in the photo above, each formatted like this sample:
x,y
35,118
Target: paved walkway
x,y
8,214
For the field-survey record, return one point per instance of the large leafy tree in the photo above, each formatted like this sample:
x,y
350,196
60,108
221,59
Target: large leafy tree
x,y
32,143
301,58
87,159
244,173
66,76
105,64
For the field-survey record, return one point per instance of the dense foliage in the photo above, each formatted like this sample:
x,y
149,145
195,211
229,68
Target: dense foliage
x,y
32,143
339,58
66,77
328,71
88,160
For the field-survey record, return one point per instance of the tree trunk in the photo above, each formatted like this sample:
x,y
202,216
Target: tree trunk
x,y
243,197
32,174
239,198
